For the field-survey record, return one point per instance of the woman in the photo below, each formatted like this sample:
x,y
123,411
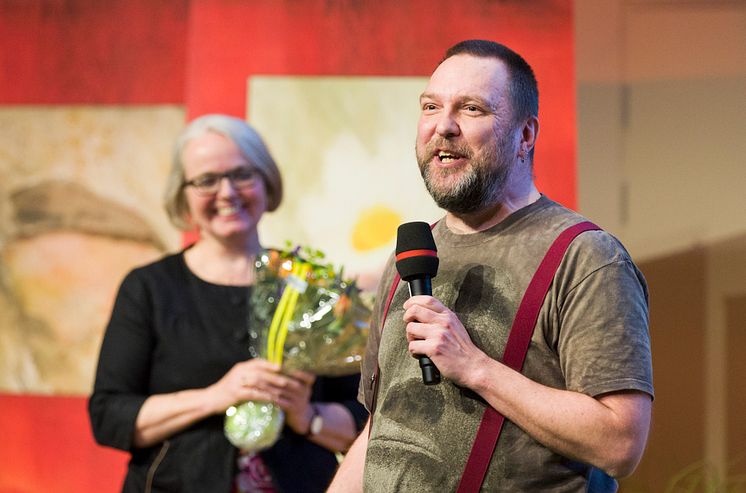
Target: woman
x,y
176,353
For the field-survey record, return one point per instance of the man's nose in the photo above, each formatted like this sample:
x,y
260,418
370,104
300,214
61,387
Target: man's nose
x,y
447,125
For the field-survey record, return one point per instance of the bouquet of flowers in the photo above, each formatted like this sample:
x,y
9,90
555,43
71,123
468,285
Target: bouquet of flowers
x,y
305,316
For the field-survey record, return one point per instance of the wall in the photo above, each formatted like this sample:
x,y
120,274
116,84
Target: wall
x,y
662,105
661,116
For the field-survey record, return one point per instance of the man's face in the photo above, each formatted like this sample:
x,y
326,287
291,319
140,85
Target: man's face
x,y
466,142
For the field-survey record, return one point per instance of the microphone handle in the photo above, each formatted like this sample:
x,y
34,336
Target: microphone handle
x,y
423,286
420,285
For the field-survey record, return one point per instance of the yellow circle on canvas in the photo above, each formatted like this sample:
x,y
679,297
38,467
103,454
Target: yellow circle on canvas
x,y
374,228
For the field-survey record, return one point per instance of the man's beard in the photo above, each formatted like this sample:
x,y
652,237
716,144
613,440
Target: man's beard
x,y
481,184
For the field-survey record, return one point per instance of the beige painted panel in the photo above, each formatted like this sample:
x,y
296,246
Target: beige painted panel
x,y
685,164
80,205
662,158
345,146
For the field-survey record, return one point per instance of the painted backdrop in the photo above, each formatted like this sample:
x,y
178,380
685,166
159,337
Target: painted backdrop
x,y
92,95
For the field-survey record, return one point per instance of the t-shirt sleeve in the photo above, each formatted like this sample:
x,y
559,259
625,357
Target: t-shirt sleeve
x,y
370,358
604,340
120,387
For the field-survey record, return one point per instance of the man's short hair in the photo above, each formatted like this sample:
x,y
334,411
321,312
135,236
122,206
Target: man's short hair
x,y
523,90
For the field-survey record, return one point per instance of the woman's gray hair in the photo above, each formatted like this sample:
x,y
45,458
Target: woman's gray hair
x,y
249,143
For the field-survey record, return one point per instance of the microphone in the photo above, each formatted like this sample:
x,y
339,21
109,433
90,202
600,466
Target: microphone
x,y
417,263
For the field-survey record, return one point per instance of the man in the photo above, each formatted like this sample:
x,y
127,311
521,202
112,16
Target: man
x,y
578,413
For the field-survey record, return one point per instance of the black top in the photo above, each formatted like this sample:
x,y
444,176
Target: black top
x,y
172,331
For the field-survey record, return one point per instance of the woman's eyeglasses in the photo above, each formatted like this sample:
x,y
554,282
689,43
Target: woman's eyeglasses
x,y
209,183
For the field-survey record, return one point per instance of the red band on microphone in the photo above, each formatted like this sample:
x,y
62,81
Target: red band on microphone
x,y
416,253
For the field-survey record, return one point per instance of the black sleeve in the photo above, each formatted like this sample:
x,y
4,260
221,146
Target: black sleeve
x,y
344,391
123,366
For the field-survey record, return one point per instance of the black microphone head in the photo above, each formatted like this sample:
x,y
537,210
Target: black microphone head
x,y
416,254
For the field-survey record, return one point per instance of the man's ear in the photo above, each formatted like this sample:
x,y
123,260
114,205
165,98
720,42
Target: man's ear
x,y
529,134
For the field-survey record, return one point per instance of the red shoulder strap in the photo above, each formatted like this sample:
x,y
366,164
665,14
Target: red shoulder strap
x,y
515,353
376,375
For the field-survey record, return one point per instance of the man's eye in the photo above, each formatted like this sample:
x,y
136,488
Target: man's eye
x,y
428,106
471,108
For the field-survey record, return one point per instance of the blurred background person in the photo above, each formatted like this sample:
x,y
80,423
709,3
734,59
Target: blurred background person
x,y
177,350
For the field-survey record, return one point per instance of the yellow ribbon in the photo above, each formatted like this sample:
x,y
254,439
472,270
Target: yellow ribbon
x,y
278,328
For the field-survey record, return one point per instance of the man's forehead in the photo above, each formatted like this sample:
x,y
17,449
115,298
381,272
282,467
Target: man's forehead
x,y
465,76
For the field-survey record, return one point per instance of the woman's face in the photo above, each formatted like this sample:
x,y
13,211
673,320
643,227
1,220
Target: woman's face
x,y
234,210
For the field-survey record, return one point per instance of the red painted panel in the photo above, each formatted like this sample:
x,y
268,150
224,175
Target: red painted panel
x,y
230,41
88,51
46,445
134,52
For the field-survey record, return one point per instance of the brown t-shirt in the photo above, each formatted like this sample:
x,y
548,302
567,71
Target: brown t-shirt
x,y
591,337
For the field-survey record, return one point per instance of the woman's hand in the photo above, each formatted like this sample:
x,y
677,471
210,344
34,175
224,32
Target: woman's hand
x,y
294,400
259,380
252,380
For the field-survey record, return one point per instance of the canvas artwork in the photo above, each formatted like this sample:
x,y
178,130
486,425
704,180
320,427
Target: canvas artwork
x,y
345,146
80,205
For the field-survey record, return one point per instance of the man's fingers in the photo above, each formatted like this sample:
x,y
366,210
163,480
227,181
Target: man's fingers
x,y
418,348
425,301
419,313
420,330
